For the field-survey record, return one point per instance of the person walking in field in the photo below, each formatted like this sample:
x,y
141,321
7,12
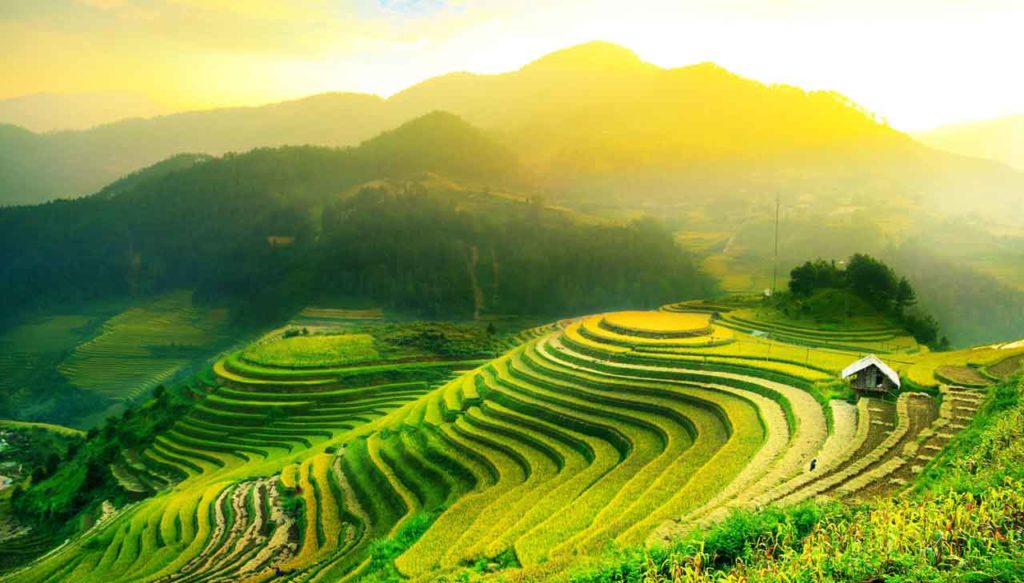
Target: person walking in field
x,y
814,464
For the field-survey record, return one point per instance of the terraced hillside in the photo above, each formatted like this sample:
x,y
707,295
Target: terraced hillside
x,y
212,509
144,346
26,347
615,429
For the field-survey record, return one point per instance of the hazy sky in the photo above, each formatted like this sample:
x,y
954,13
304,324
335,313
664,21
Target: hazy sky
x,y
916,62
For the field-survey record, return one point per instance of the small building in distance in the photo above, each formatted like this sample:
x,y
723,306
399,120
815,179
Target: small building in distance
x,y
872,376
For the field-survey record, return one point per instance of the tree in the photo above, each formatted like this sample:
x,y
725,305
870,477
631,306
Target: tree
x,y
905,296
872,280
814,275
923,327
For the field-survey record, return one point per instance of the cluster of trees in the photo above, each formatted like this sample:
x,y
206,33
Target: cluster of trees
x,y
874,282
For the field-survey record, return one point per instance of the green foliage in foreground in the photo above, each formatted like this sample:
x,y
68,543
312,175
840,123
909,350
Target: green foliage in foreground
x,y
966,523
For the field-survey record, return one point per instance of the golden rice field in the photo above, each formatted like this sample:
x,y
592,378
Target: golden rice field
x,y
611,430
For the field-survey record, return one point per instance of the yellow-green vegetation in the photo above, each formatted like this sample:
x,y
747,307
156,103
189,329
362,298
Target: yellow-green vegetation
x,y
60,429
313,351
1006,367
145,345
623,429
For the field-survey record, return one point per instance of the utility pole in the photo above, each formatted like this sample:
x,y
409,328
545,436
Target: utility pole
x,y
775,261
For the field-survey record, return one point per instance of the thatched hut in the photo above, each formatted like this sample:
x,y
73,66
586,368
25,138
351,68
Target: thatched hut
x,y
872,376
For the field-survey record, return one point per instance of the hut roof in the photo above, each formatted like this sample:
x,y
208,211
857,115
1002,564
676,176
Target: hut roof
x,y
870,360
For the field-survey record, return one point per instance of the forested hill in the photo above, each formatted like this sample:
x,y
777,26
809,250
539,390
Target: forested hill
x,y
407,219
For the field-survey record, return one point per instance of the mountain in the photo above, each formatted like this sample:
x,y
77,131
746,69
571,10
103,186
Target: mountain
x,y
999,139
438,140
592,123
601,107
47,112
629,133
74,163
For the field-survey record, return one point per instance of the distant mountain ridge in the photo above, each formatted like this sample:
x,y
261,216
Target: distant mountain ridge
x,y
47,112
999,139
592,120
75,163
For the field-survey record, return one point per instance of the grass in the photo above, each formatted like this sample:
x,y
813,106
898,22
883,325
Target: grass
x,y
596,329
252,428
1006,368
961,375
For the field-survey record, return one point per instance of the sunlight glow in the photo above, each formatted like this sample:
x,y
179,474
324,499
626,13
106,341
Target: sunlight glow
x,y
917,63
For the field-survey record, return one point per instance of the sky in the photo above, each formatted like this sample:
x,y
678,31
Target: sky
x,y
916,63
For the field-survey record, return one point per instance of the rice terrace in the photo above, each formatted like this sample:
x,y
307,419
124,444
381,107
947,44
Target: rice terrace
x,y
405,291
302,453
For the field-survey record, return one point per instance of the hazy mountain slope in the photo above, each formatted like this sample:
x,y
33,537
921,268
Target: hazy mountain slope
x,y
437,140
999,139
632,134
591,121
630,112
46,112
74,163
